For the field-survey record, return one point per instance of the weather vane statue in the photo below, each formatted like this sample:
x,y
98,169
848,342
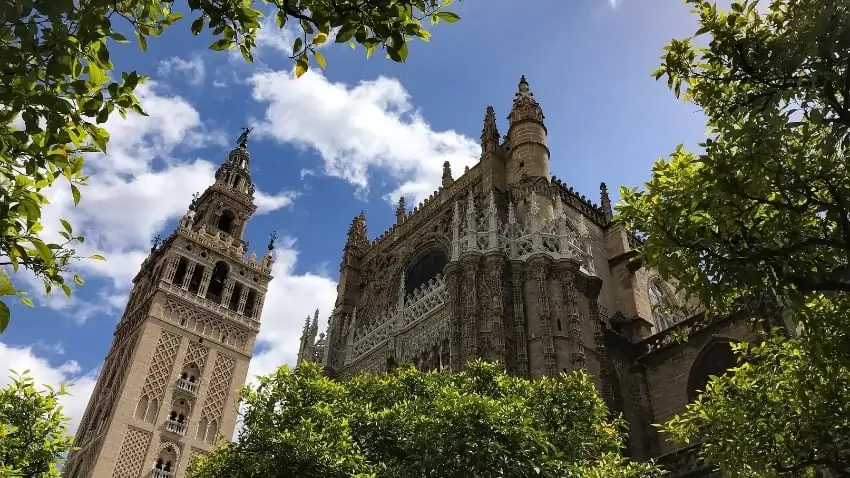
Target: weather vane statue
x,y
272,239
243,138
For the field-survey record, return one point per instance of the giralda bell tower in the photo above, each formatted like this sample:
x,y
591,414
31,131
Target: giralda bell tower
x,y
168,389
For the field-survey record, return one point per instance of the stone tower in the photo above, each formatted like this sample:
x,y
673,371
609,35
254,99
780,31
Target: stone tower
x,y
168,390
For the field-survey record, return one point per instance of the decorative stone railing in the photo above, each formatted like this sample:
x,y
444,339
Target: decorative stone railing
x,y
423,301
174,426
187,386
475,230
209,305
371,340
161,474
222,242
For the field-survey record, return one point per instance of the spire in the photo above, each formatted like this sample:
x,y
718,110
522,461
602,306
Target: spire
x,y
400,211
357,233
607,211
490,133
447,174
525,106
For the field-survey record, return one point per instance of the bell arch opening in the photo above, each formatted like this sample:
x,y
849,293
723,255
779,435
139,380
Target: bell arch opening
x,y
426,268
714,360
225,221
216,287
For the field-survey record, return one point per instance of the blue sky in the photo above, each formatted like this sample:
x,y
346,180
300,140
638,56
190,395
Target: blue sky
x,y
355,137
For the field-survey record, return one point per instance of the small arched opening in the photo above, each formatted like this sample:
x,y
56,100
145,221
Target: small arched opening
x,y
142,408
153,410
250,303
425,269
202,430
216,287
237,182
166,462
179,411
212,430
715,359
225,221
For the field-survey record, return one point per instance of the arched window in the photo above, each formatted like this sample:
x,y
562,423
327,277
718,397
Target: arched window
x,y
142,408
153,410
662,305
212,430
424,270
216,287
166,461
225,222
714,360
234,297
202,430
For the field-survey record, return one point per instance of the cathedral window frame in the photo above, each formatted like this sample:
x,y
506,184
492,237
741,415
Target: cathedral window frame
x,y
662,319
698,378
423,252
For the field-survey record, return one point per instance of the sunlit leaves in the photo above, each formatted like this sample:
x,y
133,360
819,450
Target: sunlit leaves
x,y
763,212
480,423
33,431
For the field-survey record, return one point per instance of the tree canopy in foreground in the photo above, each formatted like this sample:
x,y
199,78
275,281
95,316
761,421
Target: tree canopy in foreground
x,y
478,423
57,86
763,211
33,431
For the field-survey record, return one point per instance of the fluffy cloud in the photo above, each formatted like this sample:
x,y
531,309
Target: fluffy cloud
x,y
357,128
80,388
139,169
192,69
291,298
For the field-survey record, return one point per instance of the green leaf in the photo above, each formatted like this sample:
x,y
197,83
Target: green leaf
x,y
5,315
301,66
448,16
97,257
75,192
27,301
320,59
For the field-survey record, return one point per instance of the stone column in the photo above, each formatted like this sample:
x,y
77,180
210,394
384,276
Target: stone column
x,y
258,305
188,277
469,316
243,299
519,320
539,269
171,268
451,274
592,287
205,282
573,319
493,267
228,291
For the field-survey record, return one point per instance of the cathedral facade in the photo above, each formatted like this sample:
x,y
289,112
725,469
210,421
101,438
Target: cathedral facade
x,y
169,387
507,263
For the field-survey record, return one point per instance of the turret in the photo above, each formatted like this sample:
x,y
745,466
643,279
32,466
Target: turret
x,y
226,205
605,202
528,154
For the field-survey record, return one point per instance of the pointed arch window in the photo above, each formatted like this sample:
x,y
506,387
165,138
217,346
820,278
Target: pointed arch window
x,y
225,222
714,360
662,304
216,287
428,267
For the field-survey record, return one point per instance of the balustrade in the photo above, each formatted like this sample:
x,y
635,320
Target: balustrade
x,y
187,386
208,304
161,474
174,426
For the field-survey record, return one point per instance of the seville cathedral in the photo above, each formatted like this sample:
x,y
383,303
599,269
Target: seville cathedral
x,y
507,263
503,263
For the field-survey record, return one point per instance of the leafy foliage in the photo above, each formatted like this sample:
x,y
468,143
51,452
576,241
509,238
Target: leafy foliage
x,y
57,87
762,213
33,430
413,424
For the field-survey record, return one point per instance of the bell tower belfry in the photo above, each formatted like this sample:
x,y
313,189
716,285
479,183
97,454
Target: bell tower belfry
x,y
169,387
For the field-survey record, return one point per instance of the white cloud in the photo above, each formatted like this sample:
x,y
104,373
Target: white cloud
x,y
356,128
290,299
140,169
80,384
192,69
